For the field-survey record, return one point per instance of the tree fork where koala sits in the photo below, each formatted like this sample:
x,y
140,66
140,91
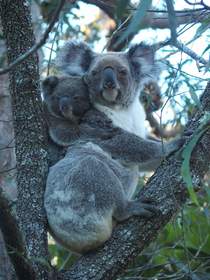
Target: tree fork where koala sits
x,y
30,131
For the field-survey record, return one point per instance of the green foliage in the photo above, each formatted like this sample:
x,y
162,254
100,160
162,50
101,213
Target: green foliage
x,y
135,22
182,250
60,257
185,169
121,9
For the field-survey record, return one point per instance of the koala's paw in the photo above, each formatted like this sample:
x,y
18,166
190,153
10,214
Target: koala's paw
x,y
174,145
145,208
108,133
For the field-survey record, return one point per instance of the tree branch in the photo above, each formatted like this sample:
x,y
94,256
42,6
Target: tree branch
x,y
189,52
38,45
13,240
168,189
152,20
108,6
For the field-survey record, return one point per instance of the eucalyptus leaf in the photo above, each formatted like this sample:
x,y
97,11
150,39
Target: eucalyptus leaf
x,y
136,20
186,154
121,8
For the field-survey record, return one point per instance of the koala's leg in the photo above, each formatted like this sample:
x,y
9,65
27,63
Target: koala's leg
x,y
127,209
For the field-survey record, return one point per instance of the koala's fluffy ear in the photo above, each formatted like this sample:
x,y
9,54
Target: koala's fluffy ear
x,y
141,58
49,84
74,58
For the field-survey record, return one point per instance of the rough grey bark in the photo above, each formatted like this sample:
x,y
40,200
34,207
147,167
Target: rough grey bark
x,y
5,266
7,159
7,153
30,133
167,188
13,240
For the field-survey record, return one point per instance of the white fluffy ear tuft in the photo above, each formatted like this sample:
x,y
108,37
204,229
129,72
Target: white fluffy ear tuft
x,y
74,58
140,51
142,61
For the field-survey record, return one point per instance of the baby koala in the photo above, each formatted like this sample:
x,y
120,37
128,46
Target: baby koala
x,y
64,106
66,101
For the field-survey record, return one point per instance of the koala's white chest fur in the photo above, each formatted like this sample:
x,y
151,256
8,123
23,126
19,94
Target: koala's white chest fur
x,y
131,119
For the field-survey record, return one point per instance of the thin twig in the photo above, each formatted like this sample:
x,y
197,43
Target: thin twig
x,y
40,43
201,3
182,48
189,52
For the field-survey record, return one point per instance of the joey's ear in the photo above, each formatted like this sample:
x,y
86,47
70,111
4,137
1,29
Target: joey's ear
x,y
141,58
48,84
74,58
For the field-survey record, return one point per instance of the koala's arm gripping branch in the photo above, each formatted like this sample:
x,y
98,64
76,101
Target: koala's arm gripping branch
x,y
167,188
133,149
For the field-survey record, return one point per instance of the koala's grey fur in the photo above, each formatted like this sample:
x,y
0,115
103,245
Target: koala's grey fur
x,y
66,101
64,105
93,185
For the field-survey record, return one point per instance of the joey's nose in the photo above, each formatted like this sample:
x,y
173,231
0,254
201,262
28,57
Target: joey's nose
x,y
109,78
64,104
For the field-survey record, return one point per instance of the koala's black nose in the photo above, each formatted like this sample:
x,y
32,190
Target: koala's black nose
x,y
65,104
109,78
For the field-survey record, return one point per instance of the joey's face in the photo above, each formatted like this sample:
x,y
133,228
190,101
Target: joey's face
x,y
67,99
109,80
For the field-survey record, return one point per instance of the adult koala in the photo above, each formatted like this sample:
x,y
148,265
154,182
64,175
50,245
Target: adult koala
x,y
93,185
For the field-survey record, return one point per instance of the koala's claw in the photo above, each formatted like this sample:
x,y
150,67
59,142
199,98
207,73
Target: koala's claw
x,y
147,200
188,133
147,209
174,145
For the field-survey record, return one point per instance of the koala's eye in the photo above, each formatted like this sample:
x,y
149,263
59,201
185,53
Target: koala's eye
x,y
76,98
122,71
94,73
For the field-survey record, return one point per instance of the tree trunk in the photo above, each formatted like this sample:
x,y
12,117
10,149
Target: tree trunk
x,y
7,160
30,131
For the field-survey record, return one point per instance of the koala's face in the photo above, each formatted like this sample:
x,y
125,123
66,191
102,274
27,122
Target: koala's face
x,y
109,80
66,97
112,78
